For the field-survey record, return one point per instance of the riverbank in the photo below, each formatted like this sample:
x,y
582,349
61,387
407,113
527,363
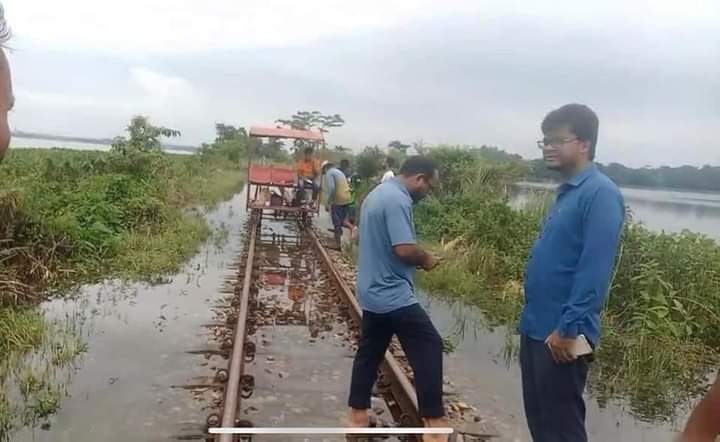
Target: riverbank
x,y
72,217
662,317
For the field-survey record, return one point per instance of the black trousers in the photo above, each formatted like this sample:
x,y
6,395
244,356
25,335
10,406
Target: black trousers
x,y
552,393
422,345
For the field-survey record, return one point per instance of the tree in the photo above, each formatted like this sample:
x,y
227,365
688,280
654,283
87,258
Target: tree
x,y
306,120
144,137
370,162
419,147
341,149
226,132
396,144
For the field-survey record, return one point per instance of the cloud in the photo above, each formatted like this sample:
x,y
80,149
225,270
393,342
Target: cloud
x,y
466,72
161,86
188,26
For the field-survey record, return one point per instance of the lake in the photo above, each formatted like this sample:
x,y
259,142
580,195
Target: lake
x,y
28,143
661,210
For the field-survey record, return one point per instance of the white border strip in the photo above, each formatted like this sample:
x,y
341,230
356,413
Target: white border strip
x,y
330,430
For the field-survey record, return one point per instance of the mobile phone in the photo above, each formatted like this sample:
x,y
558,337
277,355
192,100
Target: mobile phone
x,y
582,347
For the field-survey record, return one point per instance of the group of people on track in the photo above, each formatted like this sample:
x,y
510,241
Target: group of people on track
x,y
339,188
567,279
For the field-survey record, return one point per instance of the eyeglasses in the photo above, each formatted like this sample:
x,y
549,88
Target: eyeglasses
x,y
555,143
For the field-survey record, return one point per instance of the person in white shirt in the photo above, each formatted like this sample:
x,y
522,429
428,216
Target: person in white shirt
x,y
389,165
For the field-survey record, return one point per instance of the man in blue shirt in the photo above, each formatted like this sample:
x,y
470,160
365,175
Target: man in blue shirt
x,y
389,255
567,278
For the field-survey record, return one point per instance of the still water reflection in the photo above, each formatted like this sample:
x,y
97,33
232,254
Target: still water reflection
x,y
668,210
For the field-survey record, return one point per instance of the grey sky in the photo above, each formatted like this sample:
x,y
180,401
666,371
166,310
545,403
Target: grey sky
x,y
470,73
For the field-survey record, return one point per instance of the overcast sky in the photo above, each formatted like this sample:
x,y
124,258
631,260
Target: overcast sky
x,y
460,72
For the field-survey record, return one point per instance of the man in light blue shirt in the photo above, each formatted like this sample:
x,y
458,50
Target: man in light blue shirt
x,y
389,255
567,278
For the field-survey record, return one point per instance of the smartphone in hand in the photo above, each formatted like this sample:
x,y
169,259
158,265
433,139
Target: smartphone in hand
x,y
582,346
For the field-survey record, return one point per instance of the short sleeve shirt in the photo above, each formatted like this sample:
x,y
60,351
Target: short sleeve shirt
x,y
385,283
307,169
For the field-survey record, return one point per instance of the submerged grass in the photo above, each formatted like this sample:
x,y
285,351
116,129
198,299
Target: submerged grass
x,y
21,329
72,217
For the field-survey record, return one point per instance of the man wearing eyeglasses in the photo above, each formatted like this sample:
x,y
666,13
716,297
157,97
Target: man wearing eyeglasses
x,y
567,278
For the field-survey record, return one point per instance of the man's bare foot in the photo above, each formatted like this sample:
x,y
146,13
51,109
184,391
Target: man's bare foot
x,y
437,422
358,418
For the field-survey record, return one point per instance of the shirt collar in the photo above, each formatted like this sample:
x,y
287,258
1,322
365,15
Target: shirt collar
x,y
581,176
397,182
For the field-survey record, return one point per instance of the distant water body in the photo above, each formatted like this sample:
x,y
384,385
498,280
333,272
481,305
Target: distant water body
x,y
658,209
29,143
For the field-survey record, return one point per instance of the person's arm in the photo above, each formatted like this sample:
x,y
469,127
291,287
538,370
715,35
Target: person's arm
x,y
399,223
602,226
704,422
6,103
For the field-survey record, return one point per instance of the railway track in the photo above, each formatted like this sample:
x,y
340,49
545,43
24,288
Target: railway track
x,y
284,342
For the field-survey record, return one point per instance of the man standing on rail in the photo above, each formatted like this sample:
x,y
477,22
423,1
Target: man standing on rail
x,y
308,169
704,422
338,200
567,279
389,256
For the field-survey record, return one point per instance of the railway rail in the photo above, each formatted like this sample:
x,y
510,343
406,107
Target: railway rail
x,y
285,341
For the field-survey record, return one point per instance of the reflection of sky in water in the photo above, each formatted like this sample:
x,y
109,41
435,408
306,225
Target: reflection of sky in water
x,y
671,211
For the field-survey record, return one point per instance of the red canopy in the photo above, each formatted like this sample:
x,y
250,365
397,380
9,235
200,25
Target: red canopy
x,y
281,132
271,175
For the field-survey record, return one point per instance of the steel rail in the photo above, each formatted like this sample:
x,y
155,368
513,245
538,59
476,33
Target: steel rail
x,y
237,359
400,386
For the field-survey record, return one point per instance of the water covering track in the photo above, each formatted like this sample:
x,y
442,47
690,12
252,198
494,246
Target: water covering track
x,y
237,357
252,312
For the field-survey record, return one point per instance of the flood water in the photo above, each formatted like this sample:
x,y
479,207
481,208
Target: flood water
x,y
138,336
489,381
668,210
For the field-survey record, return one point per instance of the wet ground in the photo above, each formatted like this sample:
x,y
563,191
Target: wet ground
x,y
138,336
301,334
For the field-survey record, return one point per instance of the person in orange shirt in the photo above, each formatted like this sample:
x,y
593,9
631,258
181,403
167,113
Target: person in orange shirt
x,y
308,170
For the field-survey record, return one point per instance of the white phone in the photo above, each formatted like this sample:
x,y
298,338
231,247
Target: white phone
x,y
582,347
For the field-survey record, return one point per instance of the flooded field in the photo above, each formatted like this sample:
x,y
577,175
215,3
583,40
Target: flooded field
x,y
138,337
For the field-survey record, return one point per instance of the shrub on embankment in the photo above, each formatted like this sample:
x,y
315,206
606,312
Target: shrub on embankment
x,y
69,215
662,319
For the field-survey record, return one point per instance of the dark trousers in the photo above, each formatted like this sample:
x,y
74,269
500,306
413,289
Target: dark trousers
x,y
554,405
422,345
339,215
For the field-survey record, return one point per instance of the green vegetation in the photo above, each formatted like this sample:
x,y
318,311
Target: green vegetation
x,y
71,217
662,319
